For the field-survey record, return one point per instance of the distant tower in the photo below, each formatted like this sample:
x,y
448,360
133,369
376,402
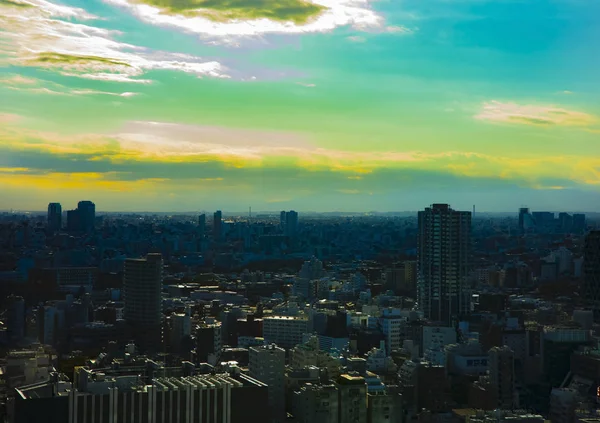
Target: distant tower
x,y
217,224
54,216
282,217
291,223
142,288
444,244
201,224
473,216
87,215
523,213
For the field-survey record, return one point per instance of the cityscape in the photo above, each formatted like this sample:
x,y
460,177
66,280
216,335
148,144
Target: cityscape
x,y
299,211
436,316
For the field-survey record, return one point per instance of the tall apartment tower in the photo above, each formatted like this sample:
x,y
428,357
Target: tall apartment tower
x,y
267,364
282,220
502,376
591,272
201,224
443,263
142,286
217,224
54,216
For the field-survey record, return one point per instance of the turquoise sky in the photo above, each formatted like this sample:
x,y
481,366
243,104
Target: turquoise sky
x,y
342,105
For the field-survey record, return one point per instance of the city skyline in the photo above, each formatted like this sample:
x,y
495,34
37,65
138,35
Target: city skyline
x,y
329,105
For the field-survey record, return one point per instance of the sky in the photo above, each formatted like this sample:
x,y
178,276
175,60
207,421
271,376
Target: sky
x,y
321,105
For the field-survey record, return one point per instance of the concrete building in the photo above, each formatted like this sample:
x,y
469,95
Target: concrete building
x,y
267,364
562,405
352,391
285,331
217,225
438,336
96,397
502,377
444,244
316,404
142,286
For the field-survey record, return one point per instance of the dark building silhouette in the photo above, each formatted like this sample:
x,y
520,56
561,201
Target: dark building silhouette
x,y
54,216
591,272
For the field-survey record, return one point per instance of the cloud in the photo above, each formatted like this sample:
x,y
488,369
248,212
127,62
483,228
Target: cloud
x,y
39,36
39,86
537,115
170,151
333,14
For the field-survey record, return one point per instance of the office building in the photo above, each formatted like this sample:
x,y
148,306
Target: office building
x,y
267,364
83,218
316,404
444,243
113,396
217,225
87,215
352,398
142,286
282,220
285,331
54,216
591,272
502,376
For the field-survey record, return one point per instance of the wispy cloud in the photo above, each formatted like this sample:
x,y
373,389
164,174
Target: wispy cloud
x,y
39,86
39,36
537,115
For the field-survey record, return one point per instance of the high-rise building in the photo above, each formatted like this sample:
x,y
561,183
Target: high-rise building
x,y
217,224
523,213
83,218
54,216
579,224
87,215
142,286
201,224
291,223
444,245
282,220
591,271
502,376
267,364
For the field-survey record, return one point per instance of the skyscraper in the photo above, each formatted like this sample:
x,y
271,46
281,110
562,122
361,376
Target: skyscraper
x,y
443,262
87,215
591,272
523,213
142,286
54,216
291,223
83,218
217,224
282,216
